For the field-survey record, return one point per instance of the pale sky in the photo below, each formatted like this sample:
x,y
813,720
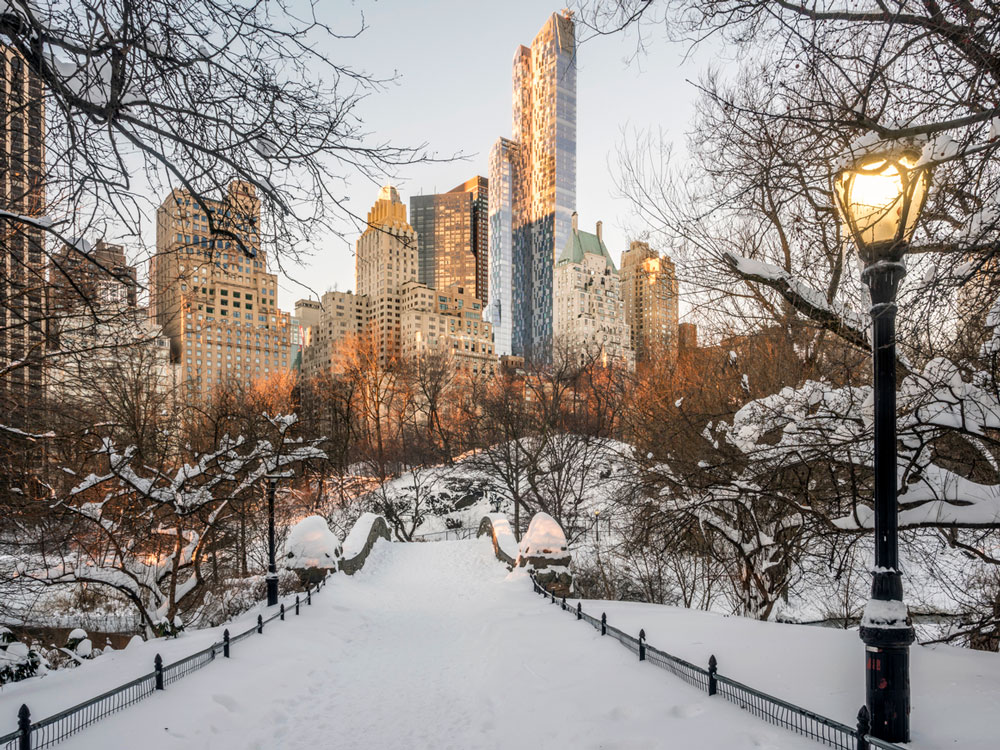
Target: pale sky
x,y
453,59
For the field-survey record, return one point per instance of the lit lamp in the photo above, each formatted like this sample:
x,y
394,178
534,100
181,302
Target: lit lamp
x,y
879,200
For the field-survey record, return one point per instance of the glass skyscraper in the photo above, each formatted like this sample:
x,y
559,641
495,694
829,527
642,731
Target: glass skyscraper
x,y
539,167
452,237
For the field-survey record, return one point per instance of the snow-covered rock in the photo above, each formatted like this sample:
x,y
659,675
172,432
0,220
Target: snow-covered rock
x,y
544,539
312,546
544,550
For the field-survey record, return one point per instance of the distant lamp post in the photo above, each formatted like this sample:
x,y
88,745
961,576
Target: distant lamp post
x,y
597,527
879,200
272,567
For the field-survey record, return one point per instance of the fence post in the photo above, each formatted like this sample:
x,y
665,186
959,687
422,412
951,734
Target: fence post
x,y
713,667
604,623
642,645
158,668
579,610
296,604
225,643
260,623
281,612
309,599
864,727
553,597
24,727
564,604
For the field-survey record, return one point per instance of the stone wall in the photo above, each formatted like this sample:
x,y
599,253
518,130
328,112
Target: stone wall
x,y
378,529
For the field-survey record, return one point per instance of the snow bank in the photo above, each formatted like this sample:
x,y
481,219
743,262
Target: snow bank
x,y
311,544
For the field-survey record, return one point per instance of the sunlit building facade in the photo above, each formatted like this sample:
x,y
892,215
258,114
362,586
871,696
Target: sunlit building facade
x,y
540,165
22,264
335,325
452,236
650,292
385,258
447,321
216,301
588,312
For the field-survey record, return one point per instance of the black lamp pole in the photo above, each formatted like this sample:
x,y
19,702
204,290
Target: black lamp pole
x,y
272,567
879,200
886,631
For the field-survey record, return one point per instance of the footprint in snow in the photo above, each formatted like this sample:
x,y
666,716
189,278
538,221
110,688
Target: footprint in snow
x,y
687,711
226,702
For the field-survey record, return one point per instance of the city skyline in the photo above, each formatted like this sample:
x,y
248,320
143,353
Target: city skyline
x,y
440,117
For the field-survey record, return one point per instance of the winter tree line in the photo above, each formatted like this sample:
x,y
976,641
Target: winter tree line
x,y
734,476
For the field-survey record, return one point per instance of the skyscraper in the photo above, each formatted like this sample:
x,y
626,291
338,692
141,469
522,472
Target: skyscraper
x,y
218,306
386,257
650,292
501,308
452,235
101,276
539,164
22,266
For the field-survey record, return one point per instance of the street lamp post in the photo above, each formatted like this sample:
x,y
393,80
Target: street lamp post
x,y
879,200
272,567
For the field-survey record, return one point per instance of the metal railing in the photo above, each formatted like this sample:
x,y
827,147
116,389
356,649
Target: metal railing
x,y
36,735
445,535
767,707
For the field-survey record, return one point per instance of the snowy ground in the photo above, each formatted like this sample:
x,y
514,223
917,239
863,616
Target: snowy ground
x,y
435,646
429,646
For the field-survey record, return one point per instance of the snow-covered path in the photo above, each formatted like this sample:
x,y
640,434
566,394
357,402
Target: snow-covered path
x,y
431,646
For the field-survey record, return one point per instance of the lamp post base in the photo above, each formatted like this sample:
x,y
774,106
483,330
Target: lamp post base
x,y
887,671
272,589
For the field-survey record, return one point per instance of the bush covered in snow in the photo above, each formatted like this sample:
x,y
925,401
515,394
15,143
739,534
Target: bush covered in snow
x,y
18,661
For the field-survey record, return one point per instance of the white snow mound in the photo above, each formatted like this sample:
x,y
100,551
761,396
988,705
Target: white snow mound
x,y
311,544
544,538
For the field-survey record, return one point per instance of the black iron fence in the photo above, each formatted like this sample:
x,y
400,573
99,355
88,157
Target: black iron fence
x,y
773,710
36,735
446,535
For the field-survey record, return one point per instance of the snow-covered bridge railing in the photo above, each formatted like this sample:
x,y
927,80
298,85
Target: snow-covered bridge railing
x,y
504,541
368,530
36,735
767,707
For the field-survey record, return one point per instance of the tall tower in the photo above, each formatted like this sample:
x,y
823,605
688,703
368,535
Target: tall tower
x,y
22,265
452,232
650,292
540,163
218,306
385,258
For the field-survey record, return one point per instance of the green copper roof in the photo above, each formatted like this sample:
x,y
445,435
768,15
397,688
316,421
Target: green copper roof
x,y
584,242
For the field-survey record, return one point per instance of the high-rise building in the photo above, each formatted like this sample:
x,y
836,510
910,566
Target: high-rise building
x,y
341,316
540,166
217,303
22,264
98,275
501,307
452,233
588,313
386,258
650,292
447,321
